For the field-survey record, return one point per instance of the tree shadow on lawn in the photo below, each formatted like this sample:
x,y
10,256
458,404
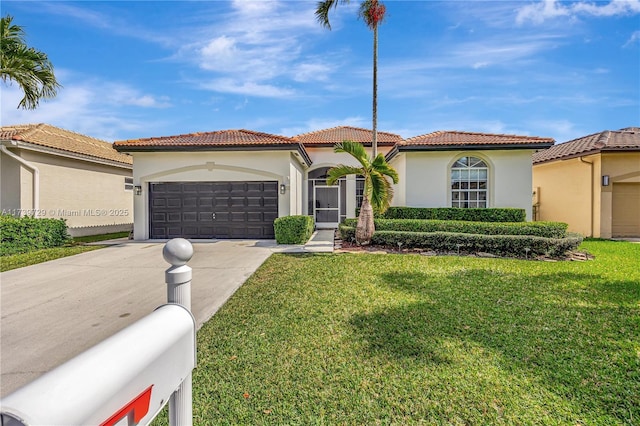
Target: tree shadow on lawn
x,y
575,340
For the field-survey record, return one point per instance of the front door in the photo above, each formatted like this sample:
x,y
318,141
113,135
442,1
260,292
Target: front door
x,y
327,206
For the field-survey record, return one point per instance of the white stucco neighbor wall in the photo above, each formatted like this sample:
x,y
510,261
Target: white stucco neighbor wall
x,y
427,178
210,166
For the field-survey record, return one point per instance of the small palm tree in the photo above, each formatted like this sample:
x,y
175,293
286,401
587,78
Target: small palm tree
x,y
372,13
378,191
28,67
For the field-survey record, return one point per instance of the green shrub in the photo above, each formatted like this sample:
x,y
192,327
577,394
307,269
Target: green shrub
x,y
501,245
540,229
455,213
293,229
25,234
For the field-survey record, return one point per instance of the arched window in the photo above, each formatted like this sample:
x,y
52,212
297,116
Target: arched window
x,y
469,183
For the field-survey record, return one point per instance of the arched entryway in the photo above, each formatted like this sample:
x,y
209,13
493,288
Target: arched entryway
x,y
331,204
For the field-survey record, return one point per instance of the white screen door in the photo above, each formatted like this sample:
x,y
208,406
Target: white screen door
x,y
327,206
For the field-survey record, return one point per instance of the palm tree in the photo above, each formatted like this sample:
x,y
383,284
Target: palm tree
x,y
372,12
378,191
28,67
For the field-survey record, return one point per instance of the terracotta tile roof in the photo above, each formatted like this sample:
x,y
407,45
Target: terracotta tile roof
x,y
338,134
456,139
209,139
63,140
627,139
222,139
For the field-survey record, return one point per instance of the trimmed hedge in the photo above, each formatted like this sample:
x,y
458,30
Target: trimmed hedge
x,y
540,229
501,245
456,213
25,234
293,229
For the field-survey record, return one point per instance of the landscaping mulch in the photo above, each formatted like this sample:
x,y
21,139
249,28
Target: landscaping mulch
x,y
341,246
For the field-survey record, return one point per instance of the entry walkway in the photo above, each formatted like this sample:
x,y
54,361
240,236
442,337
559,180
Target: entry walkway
x,y
321,241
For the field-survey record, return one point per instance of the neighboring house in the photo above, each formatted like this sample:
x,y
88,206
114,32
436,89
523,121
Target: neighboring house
x,y
592,183
234,183
49,172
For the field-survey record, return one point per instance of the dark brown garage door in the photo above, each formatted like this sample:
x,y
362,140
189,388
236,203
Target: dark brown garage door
x,y
213,209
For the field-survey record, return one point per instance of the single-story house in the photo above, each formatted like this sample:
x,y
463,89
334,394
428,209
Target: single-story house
x,y
592,183
235,183
50,172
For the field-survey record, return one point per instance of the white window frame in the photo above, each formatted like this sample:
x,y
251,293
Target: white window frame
x,y
469,186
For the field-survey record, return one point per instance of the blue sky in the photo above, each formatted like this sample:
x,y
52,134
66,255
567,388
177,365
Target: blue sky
x,y
159,68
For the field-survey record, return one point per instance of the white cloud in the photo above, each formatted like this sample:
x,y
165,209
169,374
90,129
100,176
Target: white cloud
x,y
544,10
87,106
259,45
247,88
635,38
311,71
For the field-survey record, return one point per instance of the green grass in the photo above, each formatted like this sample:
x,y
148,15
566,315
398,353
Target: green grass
x,y
15,261
76,246
407,339
102,237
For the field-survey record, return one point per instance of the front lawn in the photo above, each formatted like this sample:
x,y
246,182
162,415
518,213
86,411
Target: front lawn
x,y
76,246
364,339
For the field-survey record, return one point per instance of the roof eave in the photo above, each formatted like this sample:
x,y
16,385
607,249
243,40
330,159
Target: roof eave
x,y
475,147
200,148
587,153
14,143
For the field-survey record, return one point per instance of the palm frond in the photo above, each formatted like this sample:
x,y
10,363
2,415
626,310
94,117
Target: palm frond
x,y
381,192
356,150
322,12
28,67
341,171
381,166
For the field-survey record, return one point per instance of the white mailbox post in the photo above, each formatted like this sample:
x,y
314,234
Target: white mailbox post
x,y
127,378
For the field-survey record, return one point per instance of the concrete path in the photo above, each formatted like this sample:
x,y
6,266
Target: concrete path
x,y
53,311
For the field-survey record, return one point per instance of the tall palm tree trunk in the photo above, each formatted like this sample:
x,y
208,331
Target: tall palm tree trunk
x,y
374,142
366,226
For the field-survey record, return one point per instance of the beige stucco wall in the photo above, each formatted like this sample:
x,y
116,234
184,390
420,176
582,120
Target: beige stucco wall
x,y
279,166
428,178
9,184
621,167
571,190
83,193
568,191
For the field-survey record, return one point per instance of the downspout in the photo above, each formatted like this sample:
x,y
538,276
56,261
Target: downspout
x,y
36,177
592,189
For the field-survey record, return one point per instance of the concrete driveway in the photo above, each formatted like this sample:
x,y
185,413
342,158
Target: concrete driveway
x,y
55,310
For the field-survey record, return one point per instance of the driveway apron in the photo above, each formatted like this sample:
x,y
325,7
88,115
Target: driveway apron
x,y
53,311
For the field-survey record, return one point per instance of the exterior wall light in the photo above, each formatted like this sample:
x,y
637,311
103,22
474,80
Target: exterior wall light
x,y
137,189
605,180
283,188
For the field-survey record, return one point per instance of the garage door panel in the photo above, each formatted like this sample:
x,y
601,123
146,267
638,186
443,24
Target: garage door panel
x,y
242,209
174,217
269,217
190,217
160,202
174,202
270,202
236,201
625,209
189,188
205,201
205,217
173,187
190,201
